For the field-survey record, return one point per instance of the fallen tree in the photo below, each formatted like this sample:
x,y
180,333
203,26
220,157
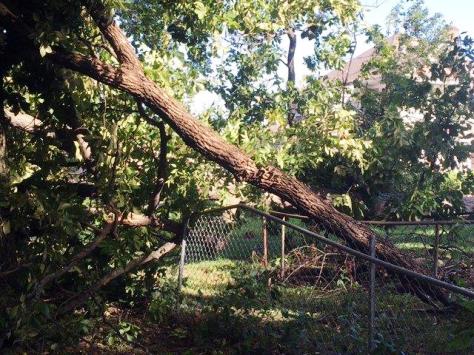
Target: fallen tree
x,y
129,77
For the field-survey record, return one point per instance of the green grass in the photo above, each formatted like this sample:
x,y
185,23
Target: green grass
x,y
228,300
208,278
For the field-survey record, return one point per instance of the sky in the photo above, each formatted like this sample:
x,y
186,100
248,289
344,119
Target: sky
x,y
459,13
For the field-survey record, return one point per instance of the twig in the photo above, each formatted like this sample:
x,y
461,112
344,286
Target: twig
x,y
161,164
8,272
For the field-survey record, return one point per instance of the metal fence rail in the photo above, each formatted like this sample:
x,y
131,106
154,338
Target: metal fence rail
x,y
290,274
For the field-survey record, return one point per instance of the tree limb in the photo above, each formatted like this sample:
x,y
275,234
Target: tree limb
x,y
12,271
88,249
137,220
162,164
32,125
292,109
140,261
23,121
109,28
291,56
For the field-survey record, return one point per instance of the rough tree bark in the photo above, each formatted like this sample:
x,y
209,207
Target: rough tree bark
x,y
130,78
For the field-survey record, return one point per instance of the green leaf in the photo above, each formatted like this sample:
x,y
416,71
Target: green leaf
x,y
200,10
45,50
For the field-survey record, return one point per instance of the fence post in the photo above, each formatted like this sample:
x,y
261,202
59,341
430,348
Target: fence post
x,y
436,251
265,241
371,344
283,237
181,264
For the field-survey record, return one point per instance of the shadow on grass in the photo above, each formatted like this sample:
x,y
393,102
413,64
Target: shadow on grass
x,y
232,305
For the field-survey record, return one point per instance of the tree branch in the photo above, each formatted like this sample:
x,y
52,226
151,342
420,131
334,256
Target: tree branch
x,y
291,56
140,261
88,249
113,34
162,164
35,126
23,121
137,220
293,108
12,271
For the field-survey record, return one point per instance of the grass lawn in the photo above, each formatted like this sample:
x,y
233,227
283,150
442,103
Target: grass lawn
x,y
232,304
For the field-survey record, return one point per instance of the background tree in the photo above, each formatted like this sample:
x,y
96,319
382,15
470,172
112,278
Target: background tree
x,y
413,130
420,122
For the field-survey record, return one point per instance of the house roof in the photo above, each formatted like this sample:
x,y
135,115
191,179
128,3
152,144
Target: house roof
x,y
352,69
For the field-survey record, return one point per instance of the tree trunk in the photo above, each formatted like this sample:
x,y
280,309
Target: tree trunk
x,y
7,239
291,56
292,109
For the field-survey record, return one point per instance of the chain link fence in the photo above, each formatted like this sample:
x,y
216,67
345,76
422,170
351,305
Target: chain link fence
x,y
299,290
445,247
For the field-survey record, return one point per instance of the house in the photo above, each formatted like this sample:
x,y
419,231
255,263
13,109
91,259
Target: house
x,y
353,69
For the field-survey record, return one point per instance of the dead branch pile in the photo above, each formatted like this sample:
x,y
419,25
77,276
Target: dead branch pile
x,y
310,265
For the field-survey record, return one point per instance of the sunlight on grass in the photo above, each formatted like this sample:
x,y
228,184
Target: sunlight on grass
x,y
411,246
207,278
235,290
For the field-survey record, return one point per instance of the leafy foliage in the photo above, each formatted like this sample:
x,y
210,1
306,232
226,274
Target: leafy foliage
x,y
56,192
418,119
